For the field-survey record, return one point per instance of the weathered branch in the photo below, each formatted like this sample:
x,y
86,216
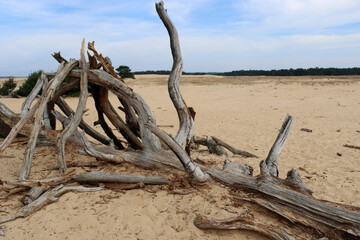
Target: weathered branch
x,y
75,120
64,69
232,149
184,134
104,62
32,195
25,107
83,125
273,156
48,123
104,177
210,144
237,167
241,223
189,166
58,57
46,198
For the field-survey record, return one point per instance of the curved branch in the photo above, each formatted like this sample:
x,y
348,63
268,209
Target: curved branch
x,y
104,79
183,136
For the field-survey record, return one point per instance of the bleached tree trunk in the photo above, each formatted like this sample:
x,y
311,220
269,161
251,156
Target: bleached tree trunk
x,y
184,134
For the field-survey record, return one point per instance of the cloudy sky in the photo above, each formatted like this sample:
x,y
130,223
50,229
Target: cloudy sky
x,y
215,35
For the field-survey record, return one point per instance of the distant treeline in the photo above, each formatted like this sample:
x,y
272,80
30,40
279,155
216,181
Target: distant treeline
x,y
165,72
281,72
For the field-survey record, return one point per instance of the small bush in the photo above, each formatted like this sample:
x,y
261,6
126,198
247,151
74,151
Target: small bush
x,y
25,89
8,87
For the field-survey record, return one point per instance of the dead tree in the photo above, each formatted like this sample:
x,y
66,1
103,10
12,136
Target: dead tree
x,y
296,213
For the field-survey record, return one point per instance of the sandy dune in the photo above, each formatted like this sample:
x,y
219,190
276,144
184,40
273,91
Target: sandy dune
x,y
247,112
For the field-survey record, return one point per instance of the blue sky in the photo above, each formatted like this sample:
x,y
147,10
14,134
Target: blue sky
x,y
214,35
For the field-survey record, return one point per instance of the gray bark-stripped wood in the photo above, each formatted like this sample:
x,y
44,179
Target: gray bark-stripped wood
x,y
32,195
210,144
102,78
293,179
50,196
76,119
186,123
241,223
25,107
65,108
237,167
47,110
193,170
273,156
104,177
308,211
144,159
232,149
64,69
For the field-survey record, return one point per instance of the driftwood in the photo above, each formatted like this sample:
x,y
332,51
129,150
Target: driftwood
x,y
52,195
53,84
32,195
184,134
272,158
233,149
295,213
75,120
25,107
103,177
210,144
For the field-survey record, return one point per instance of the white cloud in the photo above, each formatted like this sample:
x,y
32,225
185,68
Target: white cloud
x,y
295,15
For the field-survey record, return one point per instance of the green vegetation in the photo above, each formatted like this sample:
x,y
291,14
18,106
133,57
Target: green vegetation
x,y
125,72
25,89
282,72
295,72
8,87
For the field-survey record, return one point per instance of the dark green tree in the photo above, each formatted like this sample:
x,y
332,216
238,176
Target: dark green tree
x,y
7,87
125,72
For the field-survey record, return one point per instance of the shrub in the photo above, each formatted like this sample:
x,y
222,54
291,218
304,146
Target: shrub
x,y
8,87
25,89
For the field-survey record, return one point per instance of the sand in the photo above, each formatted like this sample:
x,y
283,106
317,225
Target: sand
x,y
247,112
